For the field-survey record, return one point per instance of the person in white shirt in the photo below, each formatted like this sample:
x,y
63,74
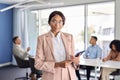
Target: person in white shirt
x,y
23,54
18,50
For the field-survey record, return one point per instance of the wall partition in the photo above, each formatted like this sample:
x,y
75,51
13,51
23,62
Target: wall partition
x,y
6,24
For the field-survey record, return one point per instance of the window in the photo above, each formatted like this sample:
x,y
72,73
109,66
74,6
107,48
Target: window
x,y
99,21
74,23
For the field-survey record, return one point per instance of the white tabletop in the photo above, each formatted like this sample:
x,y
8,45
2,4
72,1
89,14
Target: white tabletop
x,y
99,63
111,64
88,62
96,62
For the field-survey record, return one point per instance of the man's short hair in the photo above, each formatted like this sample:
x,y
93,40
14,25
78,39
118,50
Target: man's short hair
x,y
94,37
14,38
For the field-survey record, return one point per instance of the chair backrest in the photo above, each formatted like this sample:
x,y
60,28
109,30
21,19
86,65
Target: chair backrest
x,y
117,72
22,63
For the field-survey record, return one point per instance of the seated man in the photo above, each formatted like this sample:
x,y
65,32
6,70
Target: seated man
x,y
92,52
114,55
23,54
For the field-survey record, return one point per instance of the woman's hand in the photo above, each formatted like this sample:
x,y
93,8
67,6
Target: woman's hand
x,y
63,64
75,60
104,59
28,49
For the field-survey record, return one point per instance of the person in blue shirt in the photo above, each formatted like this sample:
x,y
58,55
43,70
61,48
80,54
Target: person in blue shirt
x,y
92,52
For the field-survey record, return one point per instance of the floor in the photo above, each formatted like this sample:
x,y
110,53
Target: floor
x,y
83,77
11,72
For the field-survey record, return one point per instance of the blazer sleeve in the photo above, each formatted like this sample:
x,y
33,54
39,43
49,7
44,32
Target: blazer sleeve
x,y
40,61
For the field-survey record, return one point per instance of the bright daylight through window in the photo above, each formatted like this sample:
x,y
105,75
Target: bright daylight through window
x,y
99,21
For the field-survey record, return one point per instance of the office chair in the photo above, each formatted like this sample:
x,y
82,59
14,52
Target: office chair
x,y
22,64
35,71
115,73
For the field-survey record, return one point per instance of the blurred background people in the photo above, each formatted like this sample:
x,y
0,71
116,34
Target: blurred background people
x,y
23,54
92,52
113,55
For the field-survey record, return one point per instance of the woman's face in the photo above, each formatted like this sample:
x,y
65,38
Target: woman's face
x,y
113,47
56,24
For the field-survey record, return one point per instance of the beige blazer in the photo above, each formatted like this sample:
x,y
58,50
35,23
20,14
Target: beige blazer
x,y
45,60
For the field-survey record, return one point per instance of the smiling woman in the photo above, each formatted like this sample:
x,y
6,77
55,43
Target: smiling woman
x,y
56,22
55,51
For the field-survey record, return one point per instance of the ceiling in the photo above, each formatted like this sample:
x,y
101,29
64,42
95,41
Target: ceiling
x,y
38,3
51,3
11,1
46,1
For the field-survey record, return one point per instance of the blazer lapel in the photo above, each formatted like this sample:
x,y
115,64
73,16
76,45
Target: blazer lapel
x,y
66,43
49,41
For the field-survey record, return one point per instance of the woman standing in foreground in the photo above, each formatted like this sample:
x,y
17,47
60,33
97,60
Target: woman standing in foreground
x,y
55,51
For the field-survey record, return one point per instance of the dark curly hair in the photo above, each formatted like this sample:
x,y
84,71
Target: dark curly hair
x,y
56,13
116,43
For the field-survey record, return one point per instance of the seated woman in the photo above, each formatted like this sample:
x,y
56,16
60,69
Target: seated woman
x,y
114,55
